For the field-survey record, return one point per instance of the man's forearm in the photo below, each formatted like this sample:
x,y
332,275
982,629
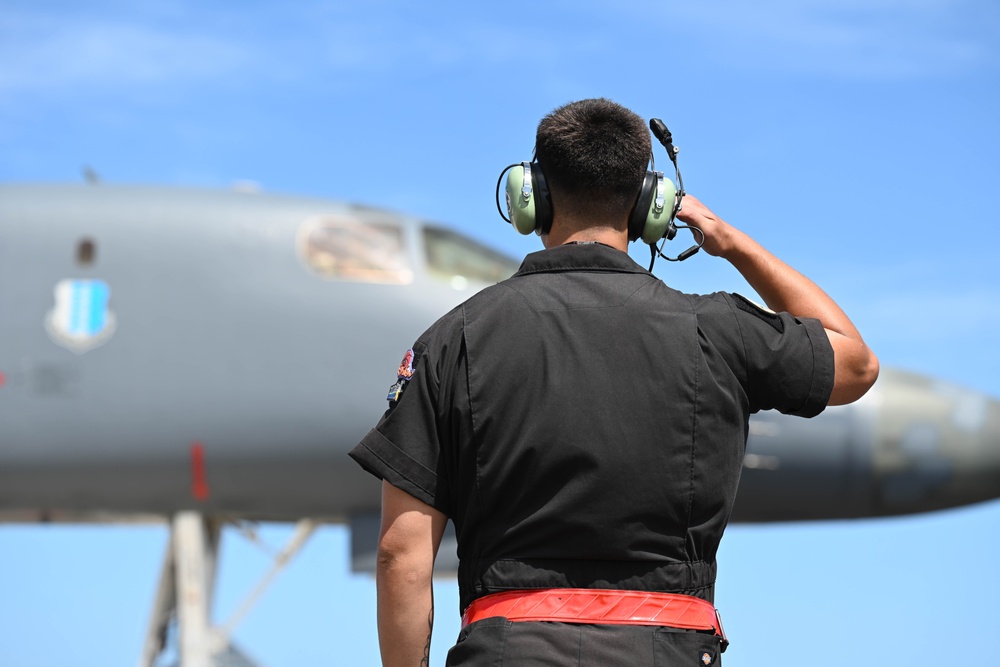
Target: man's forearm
x,y
405,614
785,289
408,542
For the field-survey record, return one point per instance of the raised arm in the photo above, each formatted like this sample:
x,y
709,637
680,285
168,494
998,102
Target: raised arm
x,y
408,543
785,289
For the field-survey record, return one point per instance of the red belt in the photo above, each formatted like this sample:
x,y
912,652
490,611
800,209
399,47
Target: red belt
x,y
592,605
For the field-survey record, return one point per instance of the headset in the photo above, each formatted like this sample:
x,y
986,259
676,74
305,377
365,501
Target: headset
x,y
529,204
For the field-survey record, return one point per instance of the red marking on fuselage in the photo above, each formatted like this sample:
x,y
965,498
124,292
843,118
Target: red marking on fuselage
x,y
3,379
199,482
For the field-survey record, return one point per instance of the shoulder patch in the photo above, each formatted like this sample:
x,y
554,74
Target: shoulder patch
x,y
405,371
768,316
407,367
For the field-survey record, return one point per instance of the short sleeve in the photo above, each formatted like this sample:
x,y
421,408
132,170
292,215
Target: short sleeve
x,y
789,361
409,446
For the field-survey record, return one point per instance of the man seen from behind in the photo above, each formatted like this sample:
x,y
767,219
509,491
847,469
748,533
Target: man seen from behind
x,y
584,426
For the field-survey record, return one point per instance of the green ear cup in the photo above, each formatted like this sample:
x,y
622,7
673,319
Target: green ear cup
x,y
520,204
658,222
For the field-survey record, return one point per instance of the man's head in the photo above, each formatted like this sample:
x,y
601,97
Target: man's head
x,y
594,155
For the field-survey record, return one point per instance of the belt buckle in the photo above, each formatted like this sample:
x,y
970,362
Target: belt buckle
x,y
722,632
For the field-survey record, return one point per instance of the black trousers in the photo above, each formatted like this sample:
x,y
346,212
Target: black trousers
x,y
495,642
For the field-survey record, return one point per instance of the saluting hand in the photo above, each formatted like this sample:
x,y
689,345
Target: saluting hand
x,y
718,233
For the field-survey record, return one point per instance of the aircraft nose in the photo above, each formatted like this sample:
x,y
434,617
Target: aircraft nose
x,y
912,444
983,476
938,445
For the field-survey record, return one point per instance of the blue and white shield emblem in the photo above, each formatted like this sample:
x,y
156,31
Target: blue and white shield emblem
x,y
81,319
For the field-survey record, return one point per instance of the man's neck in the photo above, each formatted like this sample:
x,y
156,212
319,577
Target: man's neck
x,y
605,235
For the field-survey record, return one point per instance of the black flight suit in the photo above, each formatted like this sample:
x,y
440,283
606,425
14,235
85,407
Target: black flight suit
x,y
584,426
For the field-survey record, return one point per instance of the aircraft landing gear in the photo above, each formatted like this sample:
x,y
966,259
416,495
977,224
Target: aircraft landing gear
x,y
186,587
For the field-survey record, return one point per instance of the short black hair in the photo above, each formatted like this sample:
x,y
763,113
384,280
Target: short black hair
x,y
593,152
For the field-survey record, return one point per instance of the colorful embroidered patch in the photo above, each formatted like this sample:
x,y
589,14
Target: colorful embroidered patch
x,y
403,375
706,658
405,371
395,391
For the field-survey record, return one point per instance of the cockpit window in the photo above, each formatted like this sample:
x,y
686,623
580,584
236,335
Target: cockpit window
x,y
348,248
458,259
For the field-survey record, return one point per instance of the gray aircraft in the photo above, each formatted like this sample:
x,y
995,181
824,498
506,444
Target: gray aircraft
x,y
198,357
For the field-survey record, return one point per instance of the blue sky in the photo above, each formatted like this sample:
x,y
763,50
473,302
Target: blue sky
x,y
857,140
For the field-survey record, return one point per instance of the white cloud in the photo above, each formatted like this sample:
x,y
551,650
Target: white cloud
x,y
57,51
854,38
153,44
42,52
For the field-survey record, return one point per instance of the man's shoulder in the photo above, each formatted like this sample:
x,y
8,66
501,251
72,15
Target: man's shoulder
x,y
453,322
445,326
725,312
712,301
698,303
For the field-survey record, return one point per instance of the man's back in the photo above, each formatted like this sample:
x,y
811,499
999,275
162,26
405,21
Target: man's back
x,y
584,425
591,423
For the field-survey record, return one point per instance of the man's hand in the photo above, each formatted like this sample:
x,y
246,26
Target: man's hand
x,y
717,231
408,543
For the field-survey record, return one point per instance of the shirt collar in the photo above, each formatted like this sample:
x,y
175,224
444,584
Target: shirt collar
x,y
579,257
